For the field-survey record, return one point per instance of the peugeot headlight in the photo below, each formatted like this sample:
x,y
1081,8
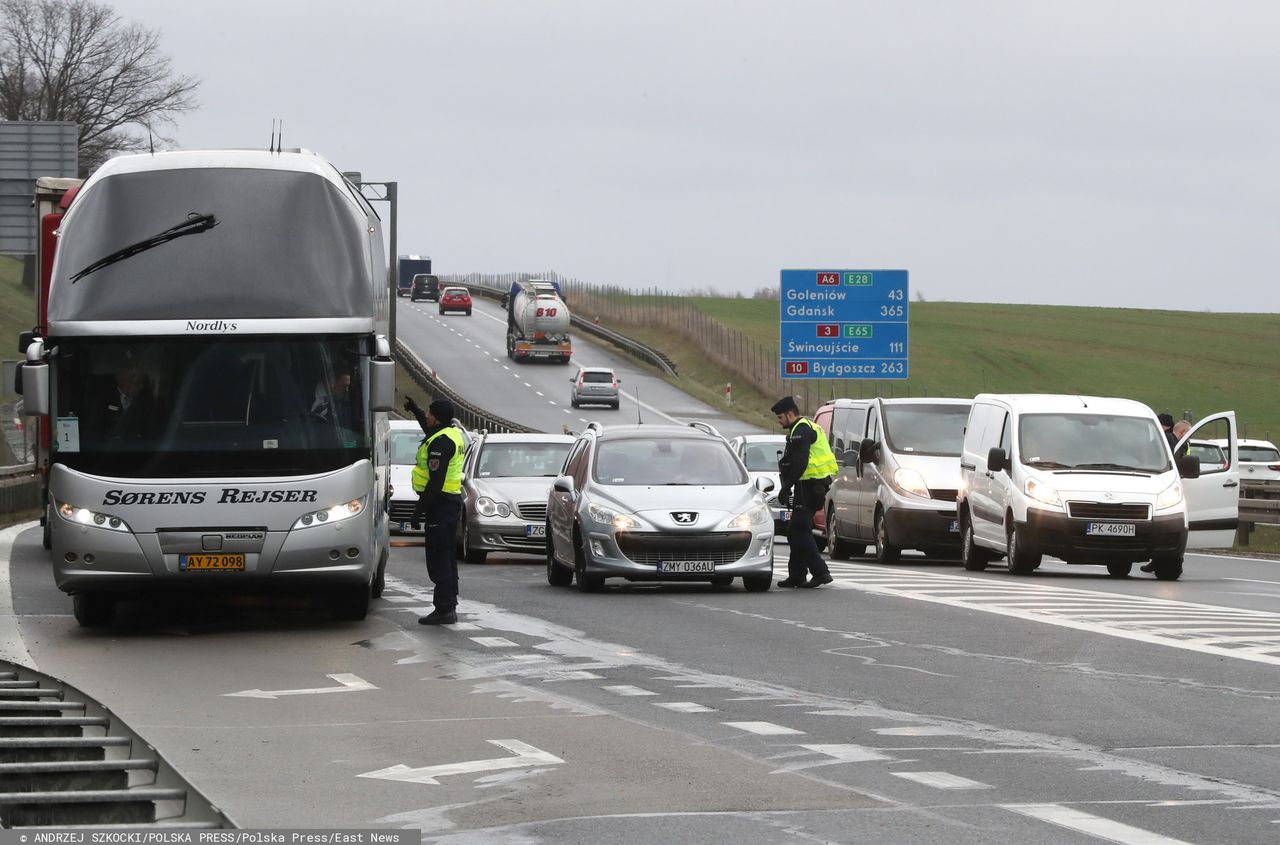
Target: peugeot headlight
x,y
84,516
1042,492
488,507
911,481
337,513
607,516
755,516
1170,498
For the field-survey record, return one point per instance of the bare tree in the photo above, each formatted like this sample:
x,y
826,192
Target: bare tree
x,y
77,60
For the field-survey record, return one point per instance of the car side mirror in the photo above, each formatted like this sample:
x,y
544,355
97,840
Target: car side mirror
x,y
997,459
563,484
867,451
618,380
1188,466
572,380
765,484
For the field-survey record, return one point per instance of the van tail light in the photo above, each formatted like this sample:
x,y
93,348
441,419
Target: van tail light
x,y
1275,467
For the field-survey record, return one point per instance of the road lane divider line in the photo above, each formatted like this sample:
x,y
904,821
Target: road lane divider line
x,y
763,728
1091,825
941,780
684,706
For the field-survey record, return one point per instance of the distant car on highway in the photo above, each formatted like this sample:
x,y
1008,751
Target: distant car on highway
x,y
506,479
594,386
455,298
1259,459
760,454
425,286
657,503
1211,455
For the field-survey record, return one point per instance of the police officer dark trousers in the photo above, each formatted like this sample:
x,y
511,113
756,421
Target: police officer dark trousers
x,y
437,479
805,471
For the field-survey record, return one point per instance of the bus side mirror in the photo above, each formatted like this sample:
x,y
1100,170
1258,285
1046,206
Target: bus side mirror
x,y
33,381
24,340
382,378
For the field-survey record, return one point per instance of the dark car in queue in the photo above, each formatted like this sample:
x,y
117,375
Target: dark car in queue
x,y
657,503
506,479
425,286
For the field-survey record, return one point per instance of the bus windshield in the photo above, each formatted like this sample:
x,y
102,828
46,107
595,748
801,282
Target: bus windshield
x,y
173,407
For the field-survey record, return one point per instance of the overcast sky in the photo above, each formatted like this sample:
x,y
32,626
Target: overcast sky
x,y
1101,153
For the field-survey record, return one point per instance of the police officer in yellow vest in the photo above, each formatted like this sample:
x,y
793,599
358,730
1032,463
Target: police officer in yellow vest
x,y
437,479
806,467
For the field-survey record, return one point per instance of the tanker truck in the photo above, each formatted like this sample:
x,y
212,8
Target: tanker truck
x,y
537,322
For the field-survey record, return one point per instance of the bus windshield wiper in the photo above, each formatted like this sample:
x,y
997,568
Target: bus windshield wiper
x,y
193,225
1123,467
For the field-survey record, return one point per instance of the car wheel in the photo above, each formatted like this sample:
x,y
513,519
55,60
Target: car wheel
x,y
93,610
757,583
1168,568
1020,560
886,552
468,312
46,535
469,554
1119,570
974,558
350,605
380,577
587,582
837,548
557,575
441,310
574,403
617,405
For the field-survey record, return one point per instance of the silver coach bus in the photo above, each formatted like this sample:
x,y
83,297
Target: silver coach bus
x,y
217,374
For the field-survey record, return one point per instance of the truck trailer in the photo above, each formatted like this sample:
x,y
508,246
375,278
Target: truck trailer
x,y
216,371
537,322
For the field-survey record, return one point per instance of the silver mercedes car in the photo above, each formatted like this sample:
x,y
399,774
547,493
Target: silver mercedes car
x,y
506,479
657,503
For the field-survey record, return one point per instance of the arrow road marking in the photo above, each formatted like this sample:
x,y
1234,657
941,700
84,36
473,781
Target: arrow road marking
x,y
350,683
526,755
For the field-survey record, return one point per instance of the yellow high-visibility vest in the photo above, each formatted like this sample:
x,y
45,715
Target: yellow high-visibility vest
x,y
452,474
822,461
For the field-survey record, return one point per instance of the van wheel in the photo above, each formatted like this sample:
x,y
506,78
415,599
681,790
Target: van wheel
x,y
557,575
93,610
886,552
974,557
1021,561
1119,570
1168,568
586,583
837,548
380,578
351,605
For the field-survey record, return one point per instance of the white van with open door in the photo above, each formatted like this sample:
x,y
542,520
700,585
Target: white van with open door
x,y
1090,480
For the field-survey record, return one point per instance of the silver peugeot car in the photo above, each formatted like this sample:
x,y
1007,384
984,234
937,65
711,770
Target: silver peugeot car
x,y
506,479
657,503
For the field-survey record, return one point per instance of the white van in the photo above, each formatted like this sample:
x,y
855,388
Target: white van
x,y
896,488
1088,480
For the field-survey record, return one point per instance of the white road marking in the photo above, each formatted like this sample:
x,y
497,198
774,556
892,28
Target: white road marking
x,y
1155,621
398,598
763,728
539,392
628,690
347,683
833,755
12,647
941,780
566,410
526,384
526,756
494,642
920,730
504,366
684,706
551,401
1252,580
1092,825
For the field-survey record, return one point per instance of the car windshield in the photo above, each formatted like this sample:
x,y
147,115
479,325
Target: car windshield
x,y
521,460
597,378
763,457
1093,441
1259,454
404,446
237,406
1210,455
666,461
925,429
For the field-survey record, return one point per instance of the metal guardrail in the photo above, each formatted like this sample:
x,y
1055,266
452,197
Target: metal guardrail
x,y
629,345
471,416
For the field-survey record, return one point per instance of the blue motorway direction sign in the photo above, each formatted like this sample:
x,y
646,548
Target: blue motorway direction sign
x,y
843,324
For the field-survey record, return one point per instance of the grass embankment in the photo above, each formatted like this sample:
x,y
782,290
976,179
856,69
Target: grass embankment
x,y
17,306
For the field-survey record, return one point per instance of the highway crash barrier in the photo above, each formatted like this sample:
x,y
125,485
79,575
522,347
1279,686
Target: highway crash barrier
x,y
1259,503
471,416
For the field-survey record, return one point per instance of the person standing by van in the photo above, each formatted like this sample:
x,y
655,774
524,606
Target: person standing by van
x,y
806,468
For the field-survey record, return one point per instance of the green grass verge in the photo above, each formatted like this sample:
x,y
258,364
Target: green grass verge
x,y
17,307
1264,539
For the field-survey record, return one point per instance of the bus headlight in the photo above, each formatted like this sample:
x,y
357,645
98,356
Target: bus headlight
x,y
337,513
84,516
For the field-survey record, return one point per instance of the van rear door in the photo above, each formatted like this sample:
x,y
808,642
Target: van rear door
x,y
1213,499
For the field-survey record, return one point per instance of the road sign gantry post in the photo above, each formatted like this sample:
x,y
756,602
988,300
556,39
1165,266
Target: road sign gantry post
x,y
843,324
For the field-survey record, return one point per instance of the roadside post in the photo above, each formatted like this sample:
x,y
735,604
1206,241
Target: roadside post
x,y
843,324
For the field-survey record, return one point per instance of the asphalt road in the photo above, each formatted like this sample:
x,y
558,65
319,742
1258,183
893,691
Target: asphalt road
x,y
469,354
906,704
